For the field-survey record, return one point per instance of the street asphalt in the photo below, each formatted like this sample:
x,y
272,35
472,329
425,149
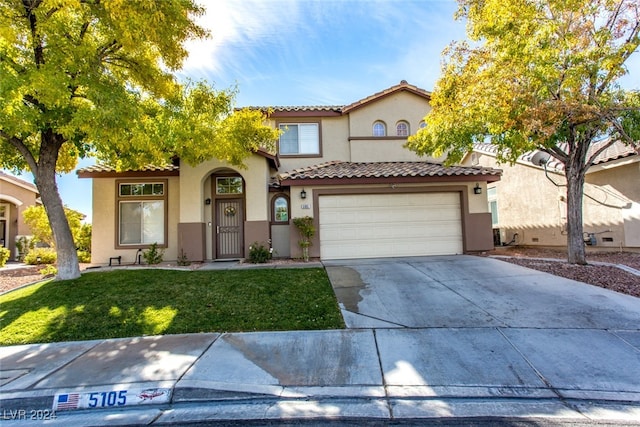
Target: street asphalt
x,y
427,338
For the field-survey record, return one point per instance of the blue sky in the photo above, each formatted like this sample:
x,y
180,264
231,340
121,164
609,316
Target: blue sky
x,y
314,52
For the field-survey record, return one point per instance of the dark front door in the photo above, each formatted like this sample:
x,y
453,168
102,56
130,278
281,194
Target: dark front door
x,y
3,233
229,228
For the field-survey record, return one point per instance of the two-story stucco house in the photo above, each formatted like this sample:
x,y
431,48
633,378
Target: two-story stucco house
x,y
16,195
529,205
345,166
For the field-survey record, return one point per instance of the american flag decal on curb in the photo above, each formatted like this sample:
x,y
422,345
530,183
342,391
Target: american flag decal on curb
x,y
66,401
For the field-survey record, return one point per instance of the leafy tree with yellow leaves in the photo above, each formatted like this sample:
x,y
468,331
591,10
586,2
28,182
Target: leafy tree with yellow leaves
x,y
96,78
538,75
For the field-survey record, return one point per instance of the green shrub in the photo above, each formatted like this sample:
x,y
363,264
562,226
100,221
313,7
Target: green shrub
x,y
183,260
38,256
4,256
258,253
153,255
307,231
24,244
49,271
84,256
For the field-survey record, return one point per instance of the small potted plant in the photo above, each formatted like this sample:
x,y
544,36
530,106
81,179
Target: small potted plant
x,y
307,231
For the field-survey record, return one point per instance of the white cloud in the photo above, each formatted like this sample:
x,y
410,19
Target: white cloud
x,y
238,27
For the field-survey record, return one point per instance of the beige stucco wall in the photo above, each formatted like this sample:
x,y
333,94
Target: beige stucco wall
x,y
336,132
401,106
530,205
390,109
195,187
334,135
103,239
614,199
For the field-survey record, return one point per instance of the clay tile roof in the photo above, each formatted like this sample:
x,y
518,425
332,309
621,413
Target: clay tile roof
x,y
108,169
301,110
342,109
346,170
617,150
337,108
403,86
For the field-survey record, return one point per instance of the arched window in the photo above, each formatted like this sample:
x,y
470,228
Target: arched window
x,y
402,129
281,209
422,124
379,129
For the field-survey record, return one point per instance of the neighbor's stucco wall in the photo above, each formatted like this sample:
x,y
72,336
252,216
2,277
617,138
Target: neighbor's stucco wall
x,y
530,205
17,199
614,199
105,217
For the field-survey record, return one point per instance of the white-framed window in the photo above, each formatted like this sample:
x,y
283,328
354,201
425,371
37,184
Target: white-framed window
x,y
142,223
492,196
402,128
379,129
142,211
281,209
299,139
229,185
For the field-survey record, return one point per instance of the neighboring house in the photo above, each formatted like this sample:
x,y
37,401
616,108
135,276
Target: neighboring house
x,y
16,195
530,208
345,166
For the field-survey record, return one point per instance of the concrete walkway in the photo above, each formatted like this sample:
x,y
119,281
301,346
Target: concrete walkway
x,y
435,337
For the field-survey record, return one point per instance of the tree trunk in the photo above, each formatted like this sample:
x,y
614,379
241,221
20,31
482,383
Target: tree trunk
x,y
45,175
575,170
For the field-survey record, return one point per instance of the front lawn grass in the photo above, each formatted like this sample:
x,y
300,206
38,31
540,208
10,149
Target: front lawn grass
x,y
127,303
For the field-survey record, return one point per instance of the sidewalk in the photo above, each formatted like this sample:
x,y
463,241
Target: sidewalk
x,y
370,374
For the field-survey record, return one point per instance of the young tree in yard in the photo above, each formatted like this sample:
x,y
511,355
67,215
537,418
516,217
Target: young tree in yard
x,y
539,74
36,218
95,78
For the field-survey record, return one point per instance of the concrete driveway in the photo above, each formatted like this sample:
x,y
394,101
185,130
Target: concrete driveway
x,y
471,292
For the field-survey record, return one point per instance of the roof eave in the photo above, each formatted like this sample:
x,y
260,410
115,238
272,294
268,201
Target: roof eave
x,y
389,180
126,174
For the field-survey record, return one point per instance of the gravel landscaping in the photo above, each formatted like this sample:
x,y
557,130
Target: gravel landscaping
x,y
554,261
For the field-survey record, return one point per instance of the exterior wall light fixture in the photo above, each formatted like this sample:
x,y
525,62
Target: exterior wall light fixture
x,y
303,194
477,189
207,201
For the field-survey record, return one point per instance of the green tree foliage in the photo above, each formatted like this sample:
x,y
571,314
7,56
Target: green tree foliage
x,y
36,218
96,78
538,74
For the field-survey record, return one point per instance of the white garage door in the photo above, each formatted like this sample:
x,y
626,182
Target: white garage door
x,y
390,225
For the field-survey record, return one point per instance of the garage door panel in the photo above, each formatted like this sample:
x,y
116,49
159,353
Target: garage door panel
x,y
383,225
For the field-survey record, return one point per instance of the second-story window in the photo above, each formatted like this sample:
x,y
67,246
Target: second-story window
x,y
299,138
402,129
379,129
